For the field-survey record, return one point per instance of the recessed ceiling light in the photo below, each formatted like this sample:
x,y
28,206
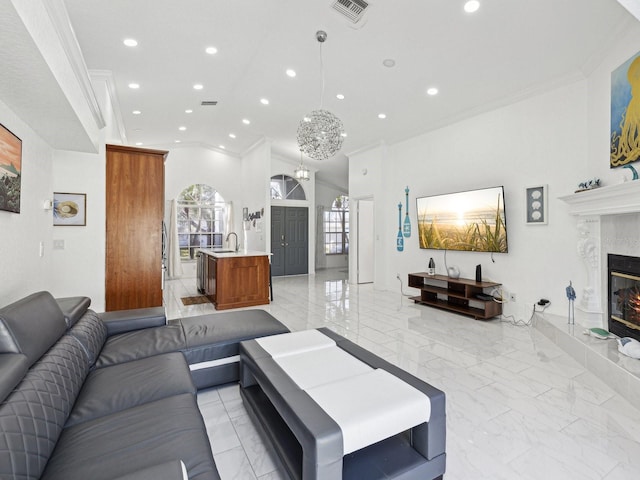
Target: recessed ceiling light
x,y
343,134
211,50
182,129
138,143
188,110
136,112
198,86
340,96
130,42
178,141
232,135
134,85
246,121
382,115
222,147
291,73
432,91
264,101
471,6
389,62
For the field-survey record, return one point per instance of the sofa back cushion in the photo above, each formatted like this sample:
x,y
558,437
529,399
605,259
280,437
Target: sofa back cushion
x,y
31,325
33,415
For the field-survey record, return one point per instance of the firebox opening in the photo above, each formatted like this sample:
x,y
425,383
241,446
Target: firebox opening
x,y
624,296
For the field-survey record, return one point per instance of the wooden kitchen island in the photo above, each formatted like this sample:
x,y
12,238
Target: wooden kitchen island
x,y
236,279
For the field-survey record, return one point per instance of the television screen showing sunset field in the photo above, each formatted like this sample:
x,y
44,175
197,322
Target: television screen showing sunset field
x,y
472,221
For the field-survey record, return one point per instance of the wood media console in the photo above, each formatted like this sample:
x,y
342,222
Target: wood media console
x,y
459,295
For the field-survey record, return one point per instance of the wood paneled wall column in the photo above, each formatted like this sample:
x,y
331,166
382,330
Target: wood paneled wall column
x,y
134,215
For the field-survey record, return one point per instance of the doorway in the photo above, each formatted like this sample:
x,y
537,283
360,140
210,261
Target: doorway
x,y
365,245
289,241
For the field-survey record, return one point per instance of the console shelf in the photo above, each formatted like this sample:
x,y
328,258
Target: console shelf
x,y
459,295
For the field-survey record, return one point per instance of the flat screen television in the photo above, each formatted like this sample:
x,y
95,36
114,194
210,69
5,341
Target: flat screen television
x,y
472,221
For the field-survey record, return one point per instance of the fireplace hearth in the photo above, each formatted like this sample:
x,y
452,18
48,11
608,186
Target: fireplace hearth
x,y
624,296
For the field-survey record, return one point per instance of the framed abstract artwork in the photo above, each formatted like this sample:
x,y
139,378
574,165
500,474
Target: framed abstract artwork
x,y
10,170
536,205
625,113
70,209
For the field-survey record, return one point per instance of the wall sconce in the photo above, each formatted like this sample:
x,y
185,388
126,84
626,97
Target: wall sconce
x,y
48,204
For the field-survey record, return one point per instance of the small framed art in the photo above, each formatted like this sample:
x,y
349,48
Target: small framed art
x,y
536,205
70,209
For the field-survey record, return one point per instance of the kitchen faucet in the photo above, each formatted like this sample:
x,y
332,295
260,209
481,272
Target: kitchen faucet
x,y
236,235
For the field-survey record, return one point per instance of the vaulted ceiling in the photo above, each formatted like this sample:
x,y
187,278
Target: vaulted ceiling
x,y
507,50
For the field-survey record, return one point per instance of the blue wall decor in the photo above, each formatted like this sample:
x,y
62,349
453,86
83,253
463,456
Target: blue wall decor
x,y
407,221
400,239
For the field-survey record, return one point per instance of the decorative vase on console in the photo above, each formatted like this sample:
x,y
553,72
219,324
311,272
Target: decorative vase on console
x,y
454,272
431,270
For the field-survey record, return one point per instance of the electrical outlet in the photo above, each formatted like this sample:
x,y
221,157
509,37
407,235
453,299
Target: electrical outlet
x,y
513,297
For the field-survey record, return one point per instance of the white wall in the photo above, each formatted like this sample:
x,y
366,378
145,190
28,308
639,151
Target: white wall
x,y
79,268
541,140
256,174
22,269
187,166
325,196
365,181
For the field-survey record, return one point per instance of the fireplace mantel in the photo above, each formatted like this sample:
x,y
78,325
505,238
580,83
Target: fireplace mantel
x,y
608,200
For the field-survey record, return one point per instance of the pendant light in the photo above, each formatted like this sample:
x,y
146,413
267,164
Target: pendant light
x,y
301,173
320,133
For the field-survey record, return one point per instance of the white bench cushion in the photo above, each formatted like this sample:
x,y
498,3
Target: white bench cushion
x,y
317,367
371,407
292,343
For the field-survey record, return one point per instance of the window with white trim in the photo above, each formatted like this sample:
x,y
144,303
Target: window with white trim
x,y
201,217
336,227
284,187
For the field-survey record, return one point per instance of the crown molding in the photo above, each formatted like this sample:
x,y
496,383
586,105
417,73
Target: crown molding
x,y
106,76
59,17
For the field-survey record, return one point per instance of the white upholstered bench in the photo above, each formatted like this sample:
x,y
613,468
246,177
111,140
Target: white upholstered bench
x,y
334,410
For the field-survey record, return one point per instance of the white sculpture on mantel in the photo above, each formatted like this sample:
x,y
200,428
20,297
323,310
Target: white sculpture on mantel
x,y
589,251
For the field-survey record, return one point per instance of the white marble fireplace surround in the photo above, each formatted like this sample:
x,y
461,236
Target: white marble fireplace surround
x,y
607,221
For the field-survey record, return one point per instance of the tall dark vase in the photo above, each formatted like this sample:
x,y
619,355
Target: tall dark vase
x,y
478,273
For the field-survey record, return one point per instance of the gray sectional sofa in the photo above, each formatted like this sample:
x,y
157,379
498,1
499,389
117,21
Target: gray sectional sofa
x,y
113,396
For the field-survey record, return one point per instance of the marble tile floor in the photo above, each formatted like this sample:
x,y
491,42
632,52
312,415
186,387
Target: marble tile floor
x,y
518,407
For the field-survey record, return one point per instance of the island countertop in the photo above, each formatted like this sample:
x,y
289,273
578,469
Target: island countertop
x,y
227,253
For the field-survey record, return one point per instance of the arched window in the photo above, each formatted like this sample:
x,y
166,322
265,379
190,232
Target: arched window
x,y
201,214
336,227
284,187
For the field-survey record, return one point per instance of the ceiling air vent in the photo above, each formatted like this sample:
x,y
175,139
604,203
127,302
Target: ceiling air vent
x,y
353,10
209,103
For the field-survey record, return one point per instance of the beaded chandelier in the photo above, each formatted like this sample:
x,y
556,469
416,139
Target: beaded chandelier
x,y
320,133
